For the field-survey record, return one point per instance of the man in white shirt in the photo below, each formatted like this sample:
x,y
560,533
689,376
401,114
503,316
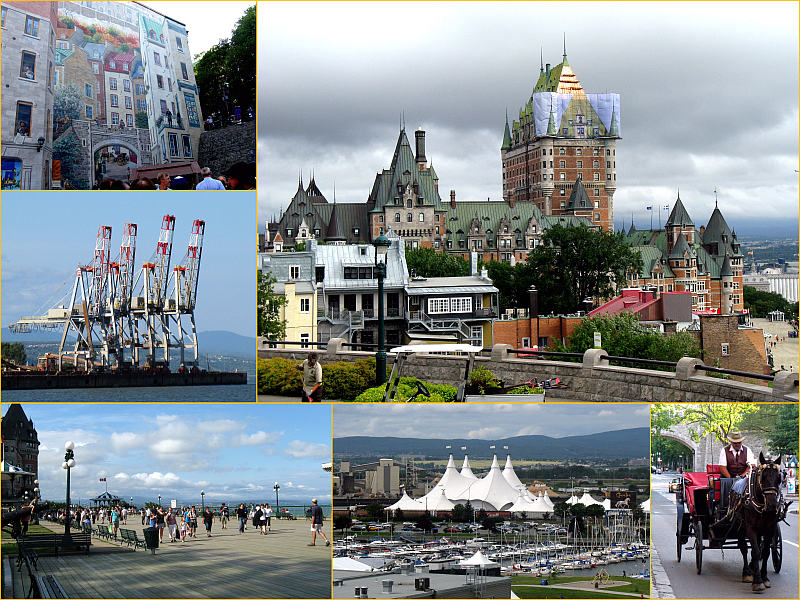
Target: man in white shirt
x,y
209,183
735,460
312,378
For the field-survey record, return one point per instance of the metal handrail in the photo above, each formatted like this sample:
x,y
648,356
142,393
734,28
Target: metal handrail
x,y
737,373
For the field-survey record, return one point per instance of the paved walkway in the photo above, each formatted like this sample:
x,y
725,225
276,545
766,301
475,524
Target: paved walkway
x,y
263,398
226,565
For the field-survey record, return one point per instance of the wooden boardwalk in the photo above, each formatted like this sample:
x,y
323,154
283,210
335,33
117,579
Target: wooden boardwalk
x,y
226,565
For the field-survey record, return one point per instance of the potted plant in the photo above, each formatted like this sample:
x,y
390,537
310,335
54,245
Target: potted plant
x,y
482,381
536,391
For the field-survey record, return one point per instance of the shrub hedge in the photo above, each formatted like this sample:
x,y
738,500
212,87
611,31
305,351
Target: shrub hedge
x,y
340,380
406,388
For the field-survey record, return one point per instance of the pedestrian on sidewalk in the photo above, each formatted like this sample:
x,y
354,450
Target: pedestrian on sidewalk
x,y
241,514
317,519
312,378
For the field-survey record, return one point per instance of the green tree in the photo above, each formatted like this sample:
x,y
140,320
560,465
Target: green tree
x,y
623,335
14,351
595,510
398,515
68,150
457,513
784,436
375,511
424,521
762,303
210,74
268,306
560,509
342,522
67,103
240,62
715,418
575,263
427,262
469,512
141,120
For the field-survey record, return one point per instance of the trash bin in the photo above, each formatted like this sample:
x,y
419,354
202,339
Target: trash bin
x,y
151,538
544,581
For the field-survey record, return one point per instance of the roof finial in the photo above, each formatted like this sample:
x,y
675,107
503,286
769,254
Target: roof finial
x,y
334,191
715,198
402,120
541,60
679,192
565,46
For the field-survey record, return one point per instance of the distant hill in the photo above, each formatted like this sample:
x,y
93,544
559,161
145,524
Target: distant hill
x,y
211,342
620,444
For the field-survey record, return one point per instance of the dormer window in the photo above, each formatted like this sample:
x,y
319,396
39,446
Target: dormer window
x,y
355,231
476,230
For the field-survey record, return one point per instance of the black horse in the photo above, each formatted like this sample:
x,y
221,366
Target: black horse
x,y
759,510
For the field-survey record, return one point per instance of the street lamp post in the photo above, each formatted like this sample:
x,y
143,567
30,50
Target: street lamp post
x,y
277,488
159,501
203,500
381,244
69,462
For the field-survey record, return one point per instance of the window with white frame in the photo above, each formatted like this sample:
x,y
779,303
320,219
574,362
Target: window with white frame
x,y
461,304
294,272
526,342
304,340
725,350
438,305
305,305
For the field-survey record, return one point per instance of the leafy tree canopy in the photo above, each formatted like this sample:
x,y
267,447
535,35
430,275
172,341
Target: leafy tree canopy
x,y
426,262
67,102
762,303
715,418
574,263
785,433
268,305
14,351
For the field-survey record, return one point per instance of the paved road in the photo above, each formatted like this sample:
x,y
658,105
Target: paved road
x,y
721,576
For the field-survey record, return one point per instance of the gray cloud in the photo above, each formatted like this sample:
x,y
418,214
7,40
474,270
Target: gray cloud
x,y
709,100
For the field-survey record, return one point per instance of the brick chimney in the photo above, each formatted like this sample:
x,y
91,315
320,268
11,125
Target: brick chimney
x,y
511,200
419,134
452,198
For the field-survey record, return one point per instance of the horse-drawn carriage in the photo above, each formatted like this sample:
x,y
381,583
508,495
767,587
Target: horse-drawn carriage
x,y
705,513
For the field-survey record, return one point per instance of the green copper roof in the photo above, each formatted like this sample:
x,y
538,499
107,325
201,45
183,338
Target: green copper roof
x,y
391,183
551,123
681,248
651,257
506,137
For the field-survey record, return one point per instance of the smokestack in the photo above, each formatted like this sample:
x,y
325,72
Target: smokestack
x,y
533,300
419,134
452,198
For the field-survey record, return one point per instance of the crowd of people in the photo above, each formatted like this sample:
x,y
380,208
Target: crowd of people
x,y
181,524
240,176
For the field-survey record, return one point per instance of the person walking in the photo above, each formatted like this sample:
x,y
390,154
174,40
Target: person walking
x,y
115,520
172,524
183,526
268,516
312,378
193,522
224,515
241,514
317,520
161,524
257,519
208,520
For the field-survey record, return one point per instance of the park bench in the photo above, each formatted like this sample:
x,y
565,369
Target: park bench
x,y
130,537
27,556
101,531
55,541
47,586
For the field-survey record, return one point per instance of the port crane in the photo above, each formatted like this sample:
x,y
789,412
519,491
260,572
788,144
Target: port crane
x,y
123,319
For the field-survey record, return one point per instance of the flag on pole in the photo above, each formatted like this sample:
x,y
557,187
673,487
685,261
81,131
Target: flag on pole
x,y
448,447
666,207
505,447
102,479
463,447
492,447
649,208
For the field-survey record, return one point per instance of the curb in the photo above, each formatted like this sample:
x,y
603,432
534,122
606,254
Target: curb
x,y
659,582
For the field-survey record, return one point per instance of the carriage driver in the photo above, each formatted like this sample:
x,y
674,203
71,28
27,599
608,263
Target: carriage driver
x,y
735,460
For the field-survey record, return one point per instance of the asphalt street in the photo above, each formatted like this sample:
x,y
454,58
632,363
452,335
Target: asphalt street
x,y
721,573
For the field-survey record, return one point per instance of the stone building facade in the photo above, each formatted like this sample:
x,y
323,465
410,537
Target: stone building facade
x,y
20,449
562,136
27,100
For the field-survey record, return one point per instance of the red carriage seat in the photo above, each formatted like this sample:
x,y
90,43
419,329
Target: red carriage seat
x,y
693,482
714,482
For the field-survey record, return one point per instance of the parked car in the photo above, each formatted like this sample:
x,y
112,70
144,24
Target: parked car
x,y
675,485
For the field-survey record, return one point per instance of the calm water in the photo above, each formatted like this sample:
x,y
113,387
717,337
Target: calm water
x,y
197,393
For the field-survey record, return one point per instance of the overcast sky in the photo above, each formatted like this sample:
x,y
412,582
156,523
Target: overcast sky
x,y
207,22
708,97
485,421
231,452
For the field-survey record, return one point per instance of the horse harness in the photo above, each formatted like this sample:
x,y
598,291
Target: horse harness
x,y
755,485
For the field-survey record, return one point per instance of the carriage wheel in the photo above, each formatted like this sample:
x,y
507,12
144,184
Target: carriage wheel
x,y
777,552
679,546
698,545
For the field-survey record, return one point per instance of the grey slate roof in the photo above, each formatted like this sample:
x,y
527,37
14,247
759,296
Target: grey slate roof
x,y
681,247
335,258
578,198
679,216
725,270
450,285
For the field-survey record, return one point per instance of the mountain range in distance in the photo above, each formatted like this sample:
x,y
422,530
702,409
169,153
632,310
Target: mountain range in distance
x,y
607,445
210,342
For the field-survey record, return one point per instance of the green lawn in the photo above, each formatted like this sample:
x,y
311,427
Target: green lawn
x,y
11,547
636,586
548,592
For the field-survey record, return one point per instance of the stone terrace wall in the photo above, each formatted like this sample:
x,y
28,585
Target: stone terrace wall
x,y
221,148
592,380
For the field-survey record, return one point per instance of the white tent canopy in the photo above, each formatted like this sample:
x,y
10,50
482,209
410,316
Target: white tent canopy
x,y
572,500
478,560
440,504
406,503
466,470
546,500
510,476
645,505
454,484
493,489
606,504
587,500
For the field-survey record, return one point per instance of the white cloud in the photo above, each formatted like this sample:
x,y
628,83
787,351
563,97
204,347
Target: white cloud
x,y
298,449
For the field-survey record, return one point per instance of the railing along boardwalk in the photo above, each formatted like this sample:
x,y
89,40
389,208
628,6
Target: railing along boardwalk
x,y
226,565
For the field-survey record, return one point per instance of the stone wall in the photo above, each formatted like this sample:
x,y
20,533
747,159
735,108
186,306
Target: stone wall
x,y
745,346
592,380
221,148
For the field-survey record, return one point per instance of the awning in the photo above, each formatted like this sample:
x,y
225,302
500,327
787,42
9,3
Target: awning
x,y
172,169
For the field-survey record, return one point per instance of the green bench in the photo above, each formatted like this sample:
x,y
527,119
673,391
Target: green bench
x,y
130,537
47,586
55,541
